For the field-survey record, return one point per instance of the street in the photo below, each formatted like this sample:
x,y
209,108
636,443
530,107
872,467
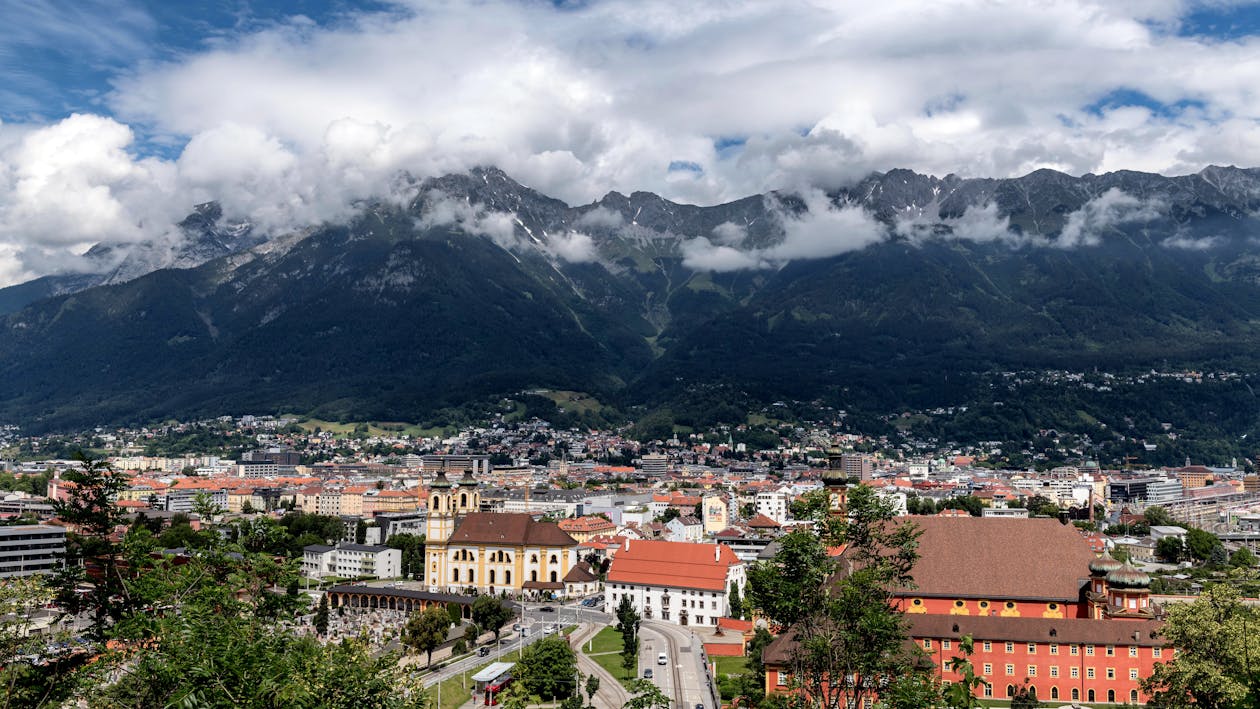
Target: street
x,y
685,677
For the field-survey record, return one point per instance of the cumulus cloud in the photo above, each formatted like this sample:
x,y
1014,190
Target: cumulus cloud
x,y
978,223
443,210
573,246
292,122
1188,243
822,230
730,234
601,218
1111,209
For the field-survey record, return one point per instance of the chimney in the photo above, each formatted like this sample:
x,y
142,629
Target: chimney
x,y
717,553
627,543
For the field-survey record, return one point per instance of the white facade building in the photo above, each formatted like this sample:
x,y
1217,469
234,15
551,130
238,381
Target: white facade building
x,y
676,582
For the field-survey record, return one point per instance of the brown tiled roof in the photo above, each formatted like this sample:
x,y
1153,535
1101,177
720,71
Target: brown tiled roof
x,y
1030,630
977,557
509,528
580,573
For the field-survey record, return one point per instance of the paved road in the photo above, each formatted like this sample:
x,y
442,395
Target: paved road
x,y
689,683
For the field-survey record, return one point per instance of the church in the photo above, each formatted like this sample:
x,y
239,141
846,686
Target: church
x,y
496,552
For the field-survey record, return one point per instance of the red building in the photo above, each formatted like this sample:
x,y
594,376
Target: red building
x,y
1042,609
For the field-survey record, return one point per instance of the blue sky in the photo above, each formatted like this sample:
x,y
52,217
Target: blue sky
x,y
117,115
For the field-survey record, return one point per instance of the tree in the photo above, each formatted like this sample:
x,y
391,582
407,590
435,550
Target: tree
x,y
426,630
646,695
360,532
592,686
1200,543
491,613
1157,516
548,668
89,508
736,602
515,696
205,507
962,693
1025,697
844,620
321,616
670,514
1217,644
1169,549
1243,558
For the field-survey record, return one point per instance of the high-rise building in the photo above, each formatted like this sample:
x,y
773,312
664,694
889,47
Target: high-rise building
x,y
29,549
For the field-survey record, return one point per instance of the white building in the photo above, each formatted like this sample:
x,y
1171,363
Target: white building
x,y
351,561
29,549
681,583
773,504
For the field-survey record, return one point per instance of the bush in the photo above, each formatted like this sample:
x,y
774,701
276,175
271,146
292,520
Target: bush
x,y
460,647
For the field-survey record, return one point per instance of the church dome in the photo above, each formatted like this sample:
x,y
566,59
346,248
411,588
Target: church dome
x,y
1128,576
1104,565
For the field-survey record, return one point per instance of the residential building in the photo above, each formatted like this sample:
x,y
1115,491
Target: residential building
x,y
351,561
681,583
654,464
29,549
583,528
773,504
716,513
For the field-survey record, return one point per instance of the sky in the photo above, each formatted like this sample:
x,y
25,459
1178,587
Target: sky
x,y
116,116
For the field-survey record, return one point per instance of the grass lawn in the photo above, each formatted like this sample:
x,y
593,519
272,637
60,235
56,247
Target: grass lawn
x,y
456,690
612,663
606,640
730,665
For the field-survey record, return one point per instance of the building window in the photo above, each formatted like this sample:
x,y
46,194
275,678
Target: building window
x,y
1111,673
1111,696
1074,672
1032,670
1054,692
1111,651
988,647
1155,652
1010,646
946,645
1054,648
1133,696
1074,650
1133,651
1032,648
1133,674
782,679
1076,694
927,644
984,605
988,669
1089,650
988,690
1010,670
1054,670
1089,673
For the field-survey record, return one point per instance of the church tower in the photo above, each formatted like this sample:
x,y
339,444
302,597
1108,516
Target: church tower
x,y
468,495
441,520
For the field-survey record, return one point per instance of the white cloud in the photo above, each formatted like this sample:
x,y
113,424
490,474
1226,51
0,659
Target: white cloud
x,y
700,254
979,223
1111,209
293,122
1187,243
573,246
443,210
730,234
601,218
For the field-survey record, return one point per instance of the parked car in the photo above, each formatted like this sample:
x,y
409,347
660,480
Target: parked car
x,y
647,674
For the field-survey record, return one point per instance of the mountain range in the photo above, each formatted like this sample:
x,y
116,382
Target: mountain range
x,y
897,291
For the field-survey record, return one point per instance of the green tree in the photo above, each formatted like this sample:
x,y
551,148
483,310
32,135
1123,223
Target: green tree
x,y
1200,543
1217,646
736,601
515,696
491,613
1025,697
426,630
548,668
646,695
962,693
205,507
1169,549
1243,558
89,508
592,686
321,616
1157,516
670,514
844,620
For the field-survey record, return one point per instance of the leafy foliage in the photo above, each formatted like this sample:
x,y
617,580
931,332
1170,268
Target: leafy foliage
x,y
548,668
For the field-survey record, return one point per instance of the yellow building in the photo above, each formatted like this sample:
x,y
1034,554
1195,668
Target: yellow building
x,y
494,552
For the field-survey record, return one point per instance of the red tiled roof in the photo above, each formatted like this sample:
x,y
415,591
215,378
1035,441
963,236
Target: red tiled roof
x,y
674,564
762,521
589,523
736,624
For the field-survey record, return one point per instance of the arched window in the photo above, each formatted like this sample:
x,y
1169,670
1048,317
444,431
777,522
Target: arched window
x,y
1054,692
463,499
533,576
553,577
1089,696
455,575
472,576
1111,696
507,577
492,576
1010,690
1076,694
1133,696
533,558
554,559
